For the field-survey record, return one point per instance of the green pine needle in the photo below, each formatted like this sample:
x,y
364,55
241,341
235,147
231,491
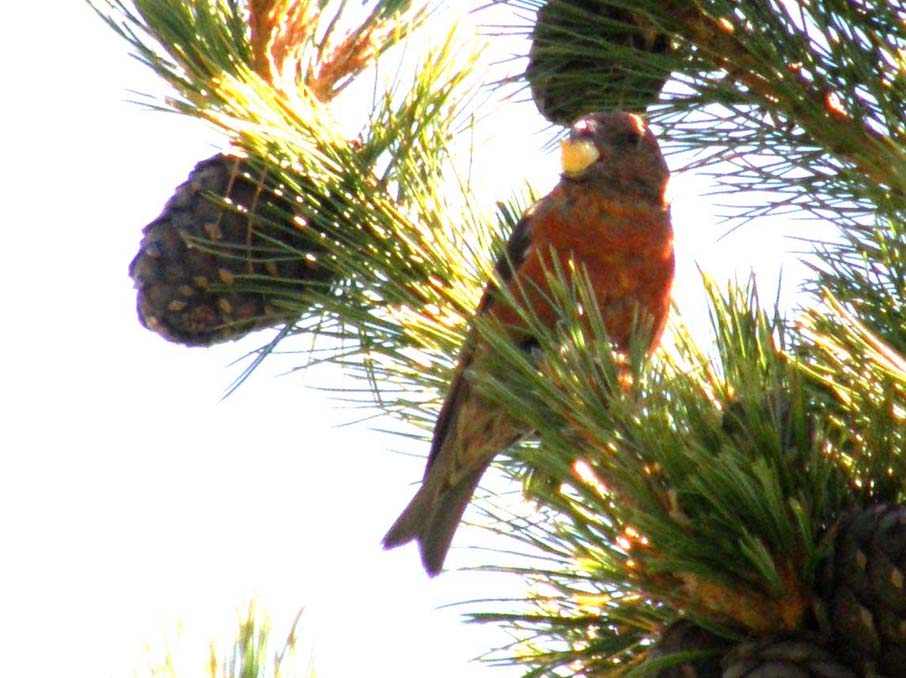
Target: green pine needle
x,y
705,475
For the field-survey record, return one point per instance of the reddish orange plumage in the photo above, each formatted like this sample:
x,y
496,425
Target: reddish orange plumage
x,y
608,214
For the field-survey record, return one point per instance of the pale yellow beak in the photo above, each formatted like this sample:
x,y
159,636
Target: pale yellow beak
x,y
576,156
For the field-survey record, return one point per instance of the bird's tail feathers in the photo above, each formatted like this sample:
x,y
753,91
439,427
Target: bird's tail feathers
x,y
431,519
411,521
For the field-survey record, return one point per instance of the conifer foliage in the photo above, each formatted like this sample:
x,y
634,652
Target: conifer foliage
x,y
737,511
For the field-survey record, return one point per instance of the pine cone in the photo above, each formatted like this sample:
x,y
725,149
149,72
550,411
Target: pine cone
x,y
799,656
567,43
684,636
193,255
860,588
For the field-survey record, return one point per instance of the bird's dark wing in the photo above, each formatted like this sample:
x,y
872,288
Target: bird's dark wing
x,y
468,433
513,256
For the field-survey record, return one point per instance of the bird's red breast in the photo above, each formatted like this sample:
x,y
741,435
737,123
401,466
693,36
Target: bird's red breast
x,y
626,249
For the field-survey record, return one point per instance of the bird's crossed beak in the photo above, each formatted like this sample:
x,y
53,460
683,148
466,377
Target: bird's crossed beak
x,y
577,155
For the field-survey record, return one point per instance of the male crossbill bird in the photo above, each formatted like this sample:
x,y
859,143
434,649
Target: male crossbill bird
x,y
609,214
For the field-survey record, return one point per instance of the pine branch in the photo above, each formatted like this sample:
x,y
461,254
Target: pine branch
x,y
705,487
828,73
867,269
800,103
368,208
867,378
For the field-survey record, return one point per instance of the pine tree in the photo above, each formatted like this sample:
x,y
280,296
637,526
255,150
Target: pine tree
x,y
738,511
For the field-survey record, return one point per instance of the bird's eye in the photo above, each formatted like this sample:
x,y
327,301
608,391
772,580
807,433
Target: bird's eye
x,y
631,138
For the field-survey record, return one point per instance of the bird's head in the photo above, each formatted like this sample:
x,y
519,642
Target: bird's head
x,y
616,153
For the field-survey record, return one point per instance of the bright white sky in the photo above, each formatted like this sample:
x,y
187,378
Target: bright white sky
x,y
130,495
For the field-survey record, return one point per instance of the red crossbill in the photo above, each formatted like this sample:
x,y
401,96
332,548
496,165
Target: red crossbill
x,y
609,215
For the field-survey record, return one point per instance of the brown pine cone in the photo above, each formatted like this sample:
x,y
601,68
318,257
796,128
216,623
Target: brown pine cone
x,y
861,589
569,71
208,272
798,656
684,636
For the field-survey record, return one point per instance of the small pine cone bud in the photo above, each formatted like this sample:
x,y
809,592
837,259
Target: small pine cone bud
x,y
861,589
207,272
567,72
798,656
685,637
